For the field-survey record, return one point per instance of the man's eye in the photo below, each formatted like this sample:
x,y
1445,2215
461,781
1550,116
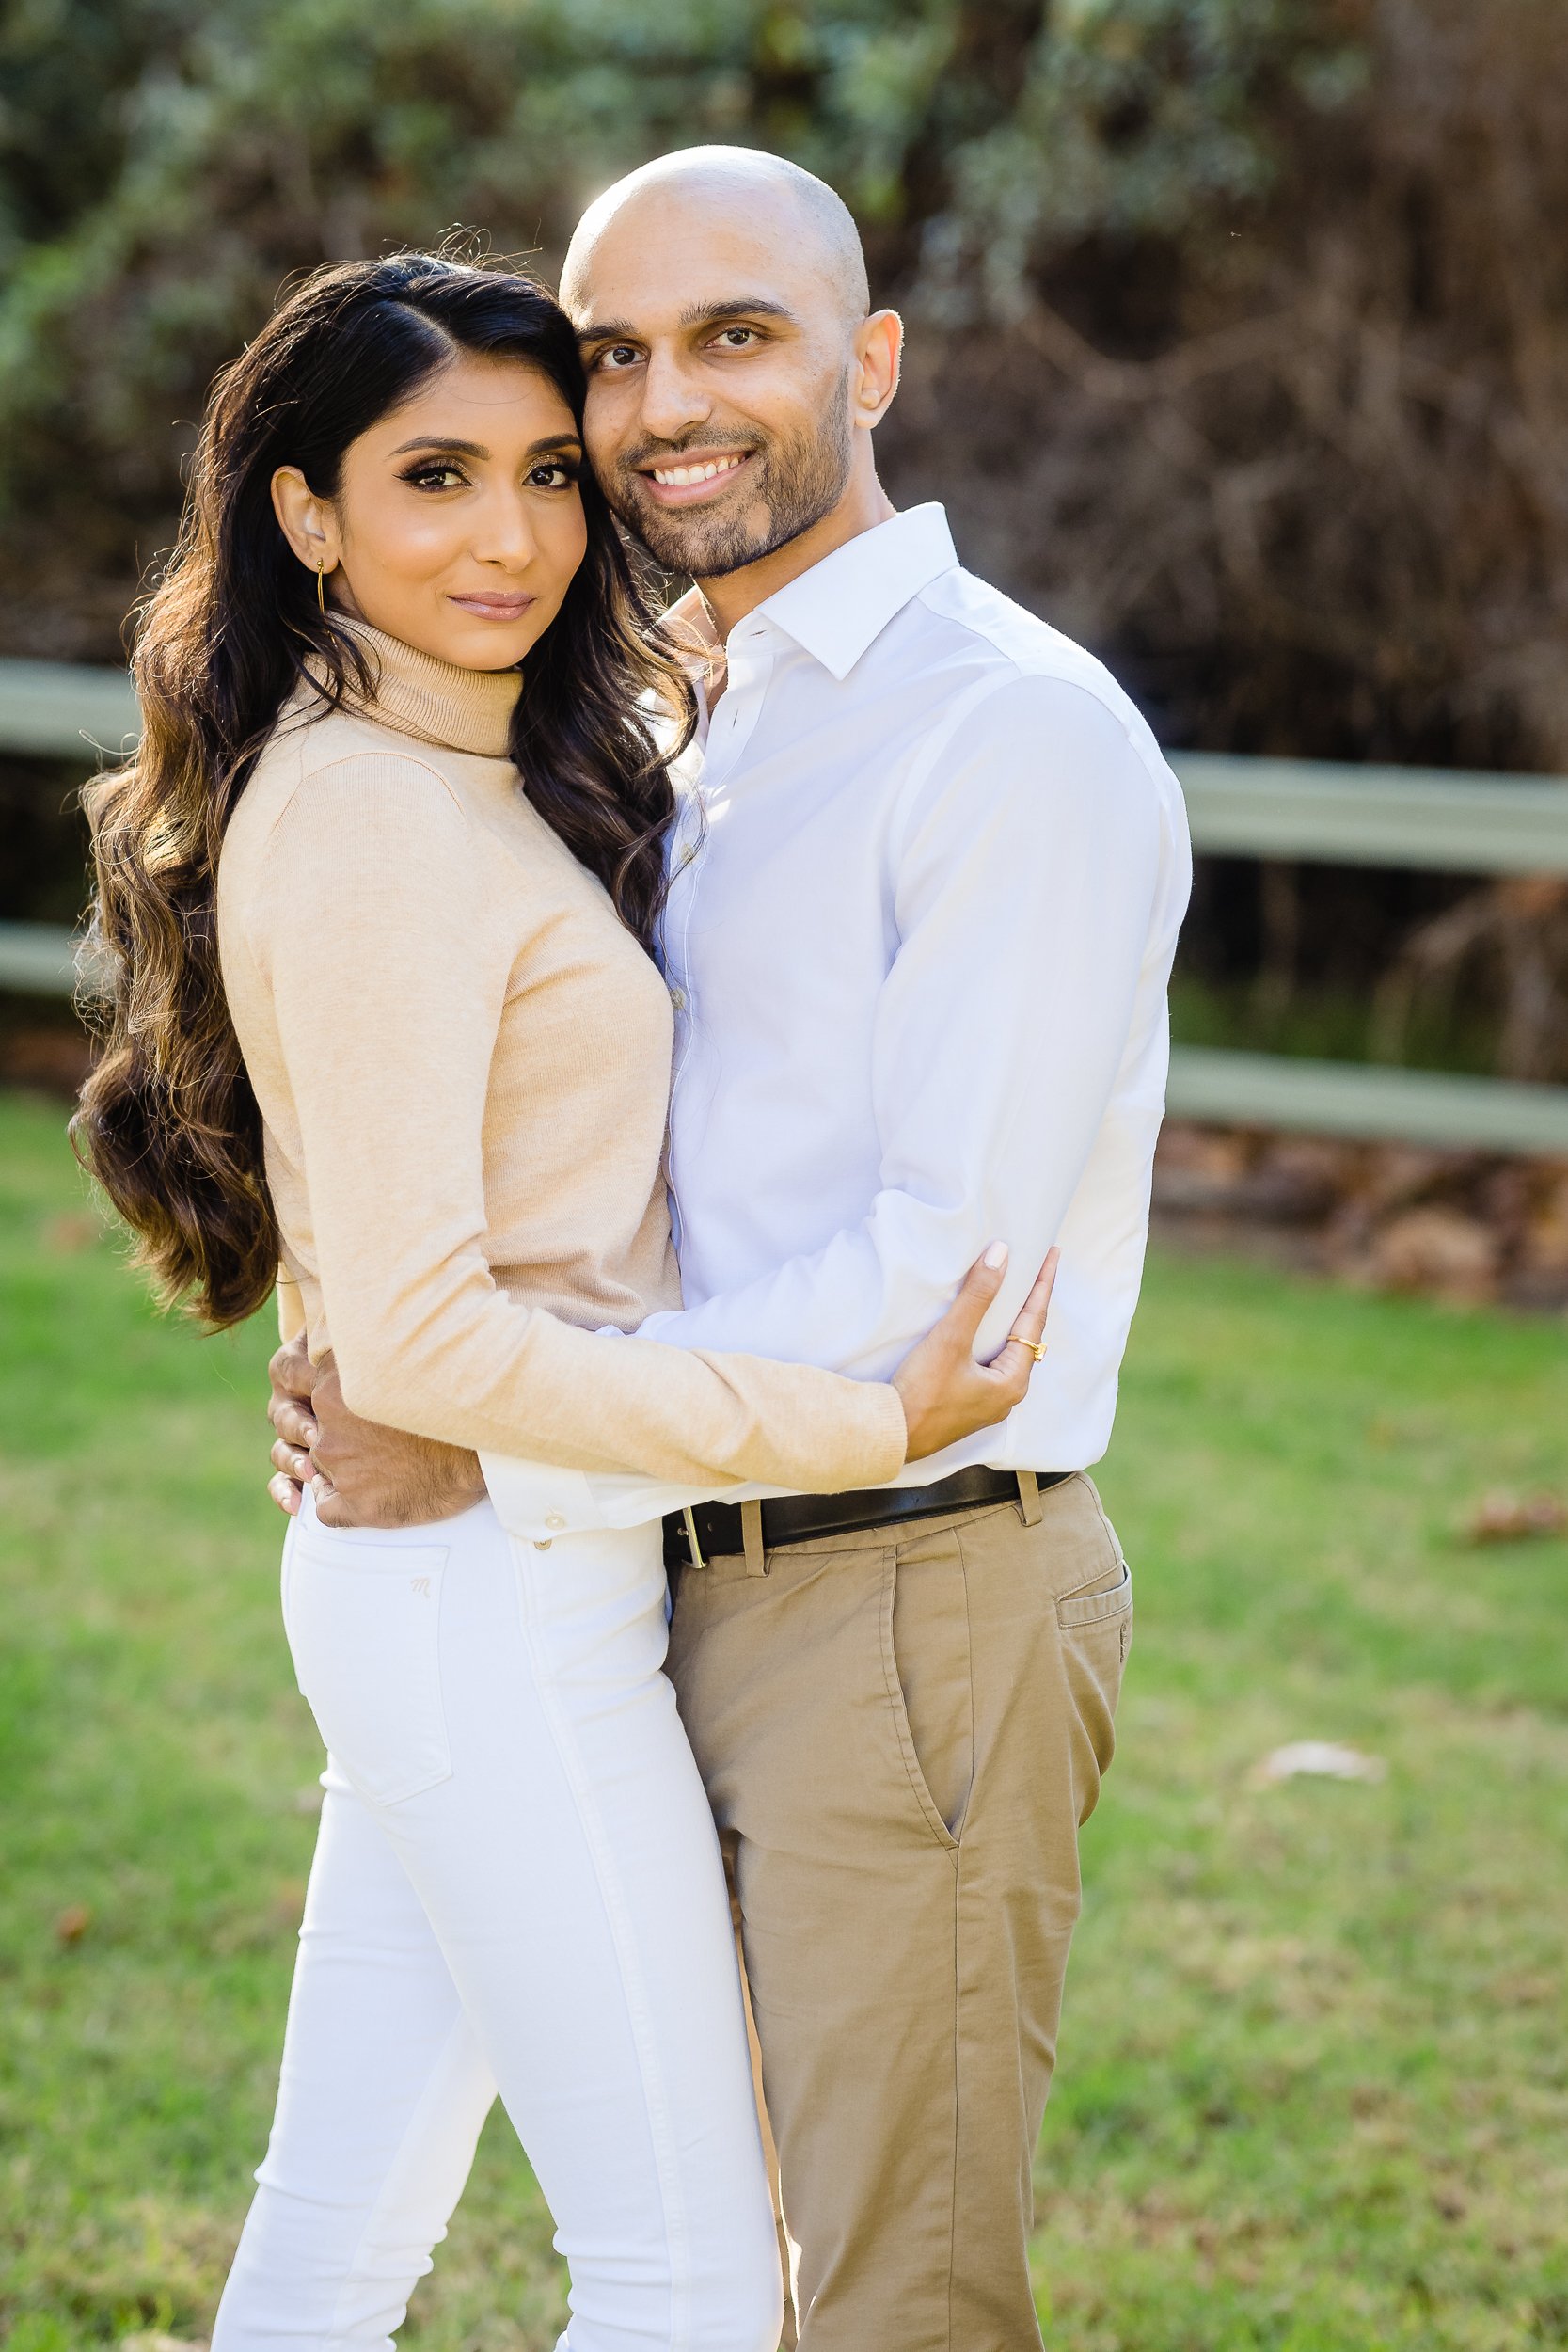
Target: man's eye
x,y
737,337
618,355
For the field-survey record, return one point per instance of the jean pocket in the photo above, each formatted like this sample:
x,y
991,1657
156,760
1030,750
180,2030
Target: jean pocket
x,y
363,1622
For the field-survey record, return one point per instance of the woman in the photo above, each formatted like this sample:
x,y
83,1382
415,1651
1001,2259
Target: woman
x,y
350,814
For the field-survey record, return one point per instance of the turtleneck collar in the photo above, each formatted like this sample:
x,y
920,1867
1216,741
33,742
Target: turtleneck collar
x,y
465,710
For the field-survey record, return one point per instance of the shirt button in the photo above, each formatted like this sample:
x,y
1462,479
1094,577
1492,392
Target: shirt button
x,y
555,1519
677,997
542,1547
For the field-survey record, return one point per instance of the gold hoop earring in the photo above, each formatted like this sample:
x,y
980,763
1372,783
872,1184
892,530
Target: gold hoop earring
x,y
321,587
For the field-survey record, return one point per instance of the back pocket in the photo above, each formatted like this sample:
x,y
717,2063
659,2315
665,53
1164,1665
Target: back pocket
x,y
363,1622
1114,1601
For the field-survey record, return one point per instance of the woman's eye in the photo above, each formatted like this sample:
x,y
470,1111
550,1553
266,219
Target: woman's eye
x,y
434,477
553,475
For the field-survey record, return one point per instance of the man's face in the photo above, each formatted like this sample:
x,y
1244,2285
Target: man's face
x,y
719,368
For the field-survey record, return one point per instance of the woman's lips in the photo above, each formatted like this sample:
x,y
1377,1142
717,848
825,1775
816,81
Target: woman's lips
x,y
486,608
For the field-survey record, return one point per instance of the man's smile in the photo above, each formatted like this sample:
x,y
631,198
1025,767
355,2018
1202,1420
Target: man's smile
x,y
695,477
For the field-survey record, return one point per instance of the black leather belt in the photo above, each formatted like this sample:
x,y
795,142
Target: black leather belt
x,y
800,1518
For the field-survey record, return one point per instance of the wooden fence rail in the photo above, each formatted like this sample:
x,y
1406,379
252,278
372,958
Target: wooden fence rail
x,y
1425,818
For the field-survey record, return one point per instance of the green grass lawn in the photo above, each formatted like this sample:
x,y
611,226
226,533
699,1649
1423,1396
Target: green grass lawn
x,y
1313,2093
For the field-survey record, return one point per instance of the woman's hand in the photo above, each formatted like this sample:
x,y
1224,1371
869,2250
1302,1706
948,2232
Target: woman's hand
x,y
947,1394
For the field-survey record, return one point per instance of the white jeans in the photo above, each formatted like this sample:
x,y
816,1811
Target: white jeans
x,y
517,1886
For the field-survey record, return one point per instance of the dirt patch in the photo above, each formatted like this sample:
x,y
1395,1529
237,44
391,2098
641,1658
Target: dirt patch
x,y
1469,1227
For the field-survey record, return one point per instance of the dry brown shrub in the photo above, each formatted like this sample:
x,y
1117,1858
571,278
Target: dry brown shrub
x,y
1307,469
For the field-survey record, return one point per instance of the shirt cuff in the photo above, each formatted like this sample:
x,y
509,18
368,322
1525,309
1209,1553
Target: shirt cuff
x,y
539,1500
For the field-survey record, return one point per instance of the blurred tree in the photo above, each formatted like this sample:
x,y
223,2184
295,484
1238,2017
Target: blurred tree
x,y
161,170
1241,325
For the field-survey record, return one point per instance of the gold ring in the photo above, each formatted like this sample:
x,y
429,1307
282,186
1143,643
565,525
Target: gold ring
x,y
1035,1347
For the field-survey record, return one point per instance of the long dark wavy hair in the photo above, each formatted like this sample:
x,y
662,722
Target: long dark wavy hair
x,y
168,1122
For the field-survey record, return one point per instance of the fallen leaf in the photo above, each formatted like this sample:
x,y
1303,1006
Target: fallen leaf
x,y
72,1923
1322,1760
1506,1519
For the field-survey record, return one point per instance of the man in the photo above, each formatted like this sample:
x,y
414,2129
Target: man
x,y
926,886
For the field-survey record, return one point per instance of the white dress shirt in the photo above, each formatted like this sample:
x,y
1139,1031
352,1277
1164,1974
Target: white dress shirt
x,y
929,873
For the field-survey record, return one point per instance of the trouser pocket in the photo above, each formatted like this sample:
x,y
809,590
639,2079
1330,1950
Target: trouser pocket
x,y
363,1622
927,1659
1096,1627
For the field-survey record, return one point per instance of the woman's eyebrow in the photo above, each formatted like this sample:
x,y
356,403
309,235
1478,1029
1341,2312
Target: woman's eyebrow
x,y
441,441
451,448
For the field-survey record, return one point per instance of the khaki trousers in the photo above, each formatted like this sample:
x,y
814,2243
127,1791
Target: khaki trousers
x,y
900,1733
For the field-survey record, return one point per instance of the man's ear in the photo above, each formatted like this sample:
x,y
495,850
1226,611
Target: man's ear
x,y
879,348
306,521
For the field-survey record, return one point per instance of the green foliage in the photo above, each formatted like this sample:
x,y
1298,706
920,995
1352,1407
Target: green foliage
x,y
164,170
1313,2094
1138,119
1240,329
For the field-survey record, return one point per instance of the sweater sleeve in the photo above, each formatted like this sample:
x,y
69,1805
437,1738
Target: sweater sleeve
x,y
374,929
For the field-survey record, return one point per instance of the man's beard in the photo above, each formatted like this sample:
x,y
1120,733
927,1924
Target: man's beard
x,y
797,482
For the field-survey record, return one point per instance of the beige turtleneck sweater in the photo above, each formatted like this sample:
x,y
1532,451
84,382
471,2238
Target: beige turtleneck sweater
x,y
461,1060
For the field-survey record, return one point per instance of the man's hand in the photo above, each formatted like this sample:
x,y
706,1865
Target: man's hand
x,y
359,1475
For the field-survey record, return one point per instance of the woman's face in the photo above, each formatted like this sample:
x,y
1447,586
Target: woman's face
x,y
458,524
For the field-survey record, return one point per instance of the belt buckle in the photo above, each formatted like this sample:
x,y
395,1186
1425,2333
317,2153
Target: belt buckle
x,y
691,1517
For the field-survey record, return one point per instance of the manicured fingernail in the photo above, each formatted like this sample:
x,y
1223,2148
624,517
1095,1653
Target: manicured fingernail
x,y
996,1255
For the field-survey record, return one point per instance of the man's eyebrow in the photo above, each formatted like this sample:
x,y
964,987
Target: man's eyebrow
x,y
744,306
696,314
444,443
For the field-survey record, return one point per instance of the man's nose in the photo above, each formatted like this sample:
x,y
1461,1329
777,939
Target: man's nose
x,y
673,399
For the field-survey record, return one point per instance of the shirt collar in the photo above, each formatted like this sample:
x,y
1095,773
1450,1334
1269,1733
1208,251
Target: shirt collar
x,y
834,610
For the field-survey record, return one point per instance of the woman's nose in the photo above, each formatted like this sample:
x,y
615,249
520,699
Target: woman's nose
x,y
506,535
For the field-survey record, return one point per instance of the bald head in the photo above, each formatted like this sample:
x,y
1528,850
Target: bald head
x,y
766,200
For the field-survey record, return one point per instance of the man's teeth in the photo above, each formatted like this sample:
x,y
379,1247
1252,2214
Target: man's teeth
x,y
675,477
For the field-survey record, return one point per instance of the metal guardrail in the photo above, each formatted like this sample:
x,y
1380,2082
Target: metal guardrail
x,y
1367,1100
1431,819
64,708
37,959
1425,818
